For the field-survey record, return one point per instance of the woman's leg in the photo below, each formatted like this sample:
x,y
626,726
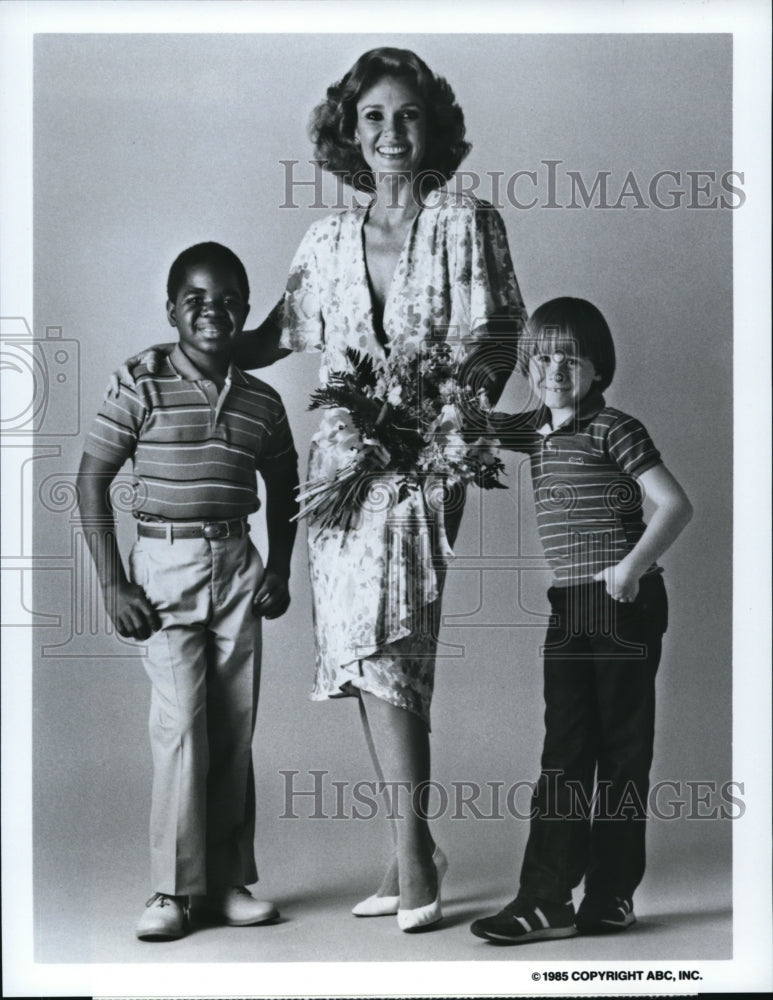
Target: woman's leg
x,y
399,743
389,883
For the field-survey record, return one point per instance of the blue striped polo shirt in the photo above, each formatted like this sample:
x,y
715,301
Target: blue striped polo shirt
x,y
195,450
589,503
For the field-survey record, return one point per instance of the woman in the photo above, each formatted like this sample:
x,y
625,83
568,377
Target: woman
x,y
417,263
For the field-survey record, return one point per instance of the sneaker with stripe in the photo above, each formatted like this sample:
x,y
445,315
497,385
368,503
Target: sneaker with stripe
x,y
605,915
527,920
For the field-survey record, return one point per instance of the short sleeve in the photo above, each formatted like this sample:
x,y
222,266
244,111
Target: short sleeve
x,y
279,447
494,291
115,431
300,309
631,447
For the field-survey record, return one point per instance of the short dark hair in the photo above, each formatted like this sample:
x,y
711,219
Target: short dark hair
x,y
333,121
205,253
571,325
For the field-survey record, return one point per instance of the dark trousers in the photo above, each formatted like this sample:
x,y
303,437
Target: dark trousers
x,y
601,658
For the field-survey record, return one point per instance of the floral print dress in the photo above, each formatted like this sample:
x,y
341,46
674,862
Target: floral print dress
x,y
376,587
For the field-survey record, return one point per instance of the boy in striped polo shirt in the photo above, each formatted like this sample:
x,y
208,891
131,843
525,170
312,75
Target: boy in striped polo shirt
x,y
197,430
589,463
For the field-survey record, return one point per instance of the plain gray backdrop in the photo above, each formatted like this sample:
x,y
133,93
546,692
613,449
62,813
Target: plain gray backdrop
x,y
145,144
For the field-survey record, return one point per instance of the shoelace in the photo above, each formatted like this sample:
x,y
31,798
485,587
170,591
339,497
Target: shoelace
x,y
161,898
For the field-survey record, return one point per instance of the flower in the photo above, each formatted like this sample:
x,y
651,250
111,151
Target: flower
x,y
376,452
448,419
401,415
343,435
455,447
448,388
485,450
395,395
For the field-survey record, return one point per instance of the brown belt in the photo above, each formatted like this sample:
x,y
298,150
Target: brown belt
x,y
185,529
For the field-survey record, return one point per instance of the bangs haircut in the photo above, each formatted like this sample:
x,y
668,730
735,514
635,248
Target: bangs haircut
x,y
576,327
334,120
551,339
203,254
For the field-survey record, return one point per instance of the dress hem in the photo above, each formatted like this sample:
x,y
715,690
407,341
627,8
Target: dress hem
x,y
354,692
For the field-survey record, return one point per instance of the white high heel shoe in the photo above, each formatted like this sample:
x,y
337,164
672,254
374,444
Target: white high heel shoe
x,y
377,906
421,917
388,906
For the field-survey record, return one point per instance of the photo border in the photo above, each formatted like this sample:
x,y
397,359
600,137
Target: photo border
x,y
749,23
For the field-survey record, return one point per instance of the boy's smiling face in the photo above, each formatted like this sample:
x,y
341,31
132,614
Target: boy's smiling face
x,y
562,379
208,311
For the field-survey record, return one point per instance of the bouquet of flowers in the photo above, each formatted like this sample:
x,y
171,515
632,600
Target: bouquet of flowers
x,y
405,417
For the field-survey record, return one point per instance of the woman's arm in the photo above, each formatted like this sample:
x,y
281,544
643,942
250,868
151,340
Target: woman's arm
x,y
492,358
124,374
256,348
496,308
260,348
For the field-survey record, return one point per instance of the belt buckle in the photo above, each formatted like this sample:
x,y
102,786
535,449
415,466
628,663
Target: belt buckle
x,y
215,529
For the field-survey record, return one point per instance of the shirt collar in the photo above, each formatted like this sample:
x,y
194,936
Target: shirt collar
x,y
185,368
588,408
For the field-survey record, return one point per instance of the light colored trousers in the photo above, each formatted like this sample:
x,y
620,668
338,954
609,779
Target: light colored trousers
x,y
204,665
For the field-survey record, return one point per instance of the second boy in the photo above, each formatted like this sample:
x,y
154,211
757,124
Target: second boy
x,y
590,465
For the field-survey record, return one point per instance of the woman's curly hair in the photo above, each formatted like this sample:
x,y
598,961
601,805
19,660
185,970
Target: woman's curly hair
x,y
334,120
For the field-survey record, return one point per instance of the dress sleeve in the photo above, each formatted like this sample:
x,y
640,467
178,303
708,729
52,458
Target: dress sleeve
x,y
300,311
496,304
514,431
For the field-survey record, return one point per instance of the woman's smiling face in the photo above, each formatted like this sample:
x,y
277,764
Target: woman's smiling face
x,y
392,127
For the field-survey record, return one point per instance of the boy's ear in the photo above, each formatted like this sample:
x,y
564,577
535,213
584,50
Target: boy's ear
x,y
171,315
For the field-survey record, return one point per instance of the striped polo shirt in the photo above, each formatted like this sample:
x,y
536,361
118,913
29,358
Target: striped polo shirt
x,y
195,450
589,503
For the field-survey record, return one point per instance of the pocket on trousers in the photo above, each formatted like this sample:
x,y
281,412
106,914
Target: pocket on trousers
x,y
651,604
138,569
253,563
